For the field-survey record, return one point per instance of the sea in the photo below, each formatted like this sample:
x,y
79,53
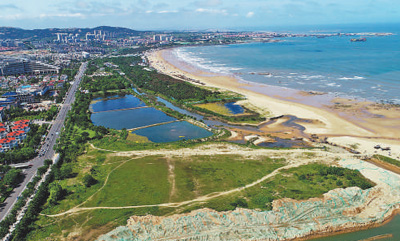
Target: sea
x,y
367,70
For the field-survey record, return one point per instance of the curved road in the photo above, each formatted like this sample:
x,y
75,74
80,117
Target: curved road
x,y
46,151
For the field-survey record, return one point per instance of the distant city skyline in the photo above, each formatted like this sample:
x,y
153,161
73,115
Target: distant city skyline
x,y
194,14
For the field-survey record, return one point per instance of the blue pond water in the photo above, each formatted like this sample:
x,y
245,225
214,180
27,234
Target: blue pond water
x,y
180,110
173,132
116,102
130,118
234,108
119,119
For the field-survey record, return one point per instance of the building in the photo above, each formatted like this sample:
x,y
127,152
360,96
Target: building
x,y
12,66
20,96
22,122
18,135
8,143
23,127
3,132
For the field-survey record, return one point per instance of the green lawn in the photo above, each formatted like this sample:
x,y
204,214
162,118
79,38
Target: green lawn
x,y
299,183
137,182
201,175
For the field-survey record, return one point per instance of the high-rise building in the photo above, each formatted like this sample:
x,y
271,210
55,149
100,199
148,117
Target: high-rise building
x,y
11,66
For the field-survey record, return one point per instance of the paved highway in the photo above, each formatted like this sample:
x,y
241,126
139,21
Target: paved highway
x,y
46,151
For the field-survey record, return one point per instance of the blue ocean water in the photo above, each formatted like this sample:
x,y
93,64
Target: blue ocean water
x,y
369,70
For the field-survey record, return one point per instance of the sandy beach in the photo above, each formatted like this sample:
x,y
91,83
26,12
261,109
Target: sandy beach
x,y
346,121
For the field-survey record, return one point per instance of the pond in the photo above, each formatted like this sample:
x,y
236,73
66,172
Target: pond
x,y
130,118
115,103
180,110
173,132
283,143
234,108
112,112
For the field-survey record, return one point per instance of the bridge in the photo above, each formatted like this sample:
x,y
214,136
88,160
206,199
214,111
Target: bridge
x,y
157,124
134,108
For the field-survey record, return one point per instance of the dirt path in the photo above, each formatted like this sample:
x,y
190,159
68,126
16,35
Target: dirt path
x,y
171,178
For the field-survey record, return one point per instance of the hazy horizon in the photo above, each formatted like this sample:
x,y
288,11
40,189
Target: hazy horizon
x,y
195,14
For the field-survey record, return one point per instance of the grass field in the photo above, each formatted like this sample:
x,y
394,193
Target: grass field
x,y
299,183
137,139
201,175
134,180
217,107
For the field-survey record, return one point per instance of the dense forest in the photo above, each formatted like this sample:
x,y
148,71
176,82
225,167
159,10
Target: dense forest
x,y
160,83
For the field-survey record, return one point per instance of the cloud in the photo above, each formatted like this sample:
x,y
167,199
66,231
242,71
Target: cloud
x,y
212,11
8,6
168,11
249,14
63,15
208,3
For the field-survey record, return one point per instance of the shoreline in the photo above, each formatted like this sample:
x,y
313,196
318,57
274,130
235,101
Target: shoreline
x,y
344,128
342,118
362,227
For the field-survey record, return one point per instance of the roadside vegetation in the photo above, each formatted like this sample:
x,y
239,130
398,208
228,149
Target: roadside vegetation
x,y
10,178
16,113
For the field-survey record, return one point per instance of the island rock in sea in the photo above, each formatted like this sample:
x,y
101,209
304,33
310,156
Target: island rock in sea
x,y
338,210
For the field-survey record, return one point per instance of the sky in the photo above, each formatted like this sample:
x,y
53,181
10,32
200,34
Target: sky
x,y
194,14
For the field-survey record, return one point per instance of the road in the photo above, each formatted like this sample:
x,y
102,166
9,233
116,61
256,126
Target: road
x,y
46,151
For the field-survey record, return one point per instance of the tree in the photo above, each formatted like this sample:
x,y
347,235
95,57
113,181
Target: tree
x,y
65,170
11,177
88,180
56,193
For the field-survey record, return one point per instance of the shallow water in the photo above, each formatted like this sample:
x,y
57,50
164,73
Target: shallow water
x,y
393,227
283,143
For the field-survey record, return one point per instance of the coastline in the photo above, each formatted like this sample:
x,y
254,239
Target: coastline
x,y
342,119
343,126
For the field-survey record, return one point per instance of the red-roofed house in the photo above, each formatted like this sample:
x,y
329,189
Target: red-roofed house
x,y
23,127
8,143
18,135
20,122
3,132
1,148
